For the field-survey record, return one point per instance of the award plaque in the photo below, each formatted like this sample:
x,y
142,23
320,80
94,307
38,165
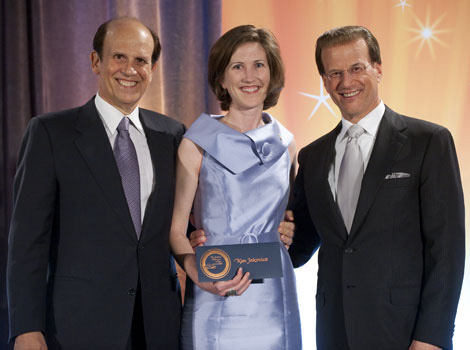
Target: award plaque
x,y
221,262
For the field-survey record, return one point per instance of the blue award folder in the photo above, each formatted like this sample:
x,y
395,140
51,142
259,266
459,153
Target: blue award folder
x,y
221,262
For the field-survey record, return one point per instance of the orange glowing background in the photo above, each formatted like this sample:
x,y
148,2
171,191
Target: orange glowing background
x,y
426,74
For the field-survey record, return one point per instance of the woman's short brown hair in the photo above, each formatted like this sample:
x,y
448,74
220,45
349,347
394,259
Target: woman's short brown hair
x,y
222,51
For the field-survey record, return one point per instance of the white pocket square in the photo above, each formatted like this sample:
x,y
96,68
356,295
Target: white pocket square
x,y
396,176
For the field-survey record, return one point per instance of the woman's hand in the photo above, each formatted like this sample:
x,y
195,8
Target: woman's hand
x,y
235,287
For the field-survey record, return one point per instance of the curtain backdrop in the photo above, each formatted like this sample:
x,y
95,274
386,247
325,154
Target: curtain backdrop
x,y
45,66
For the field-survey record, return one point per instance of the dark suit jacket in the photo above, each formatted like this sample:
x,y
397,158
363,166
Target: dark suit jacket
x,y
398,274
74,260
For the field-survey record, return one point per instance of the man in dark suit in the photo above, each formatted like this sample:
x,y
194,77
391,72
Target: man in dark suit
x,y
386,204
89,261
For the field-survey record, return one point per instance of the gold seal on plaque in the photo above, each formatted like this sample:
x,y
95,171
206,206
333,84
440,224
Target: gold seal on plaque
x,y
215,263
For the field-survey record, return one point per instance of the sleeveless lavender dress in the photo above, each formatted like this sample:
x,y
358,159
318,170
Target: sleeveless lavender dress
x,y
241,198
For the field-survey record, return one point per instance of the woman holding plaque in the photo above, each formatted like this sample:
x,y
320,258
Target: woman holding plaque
x,y
233,170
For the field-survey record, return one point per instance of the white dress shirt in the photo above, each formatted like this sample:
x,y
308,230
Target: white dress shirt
x,y
370,123
111,117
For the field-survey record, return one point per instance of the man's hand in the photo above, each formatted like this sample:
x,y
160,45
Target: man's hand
x,y
197,238
286,231
418,345
286,228
30,341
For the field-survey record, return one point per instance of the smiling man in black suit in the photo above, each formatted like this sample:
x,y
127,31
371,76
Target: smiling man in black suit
x,y
89,261
382,194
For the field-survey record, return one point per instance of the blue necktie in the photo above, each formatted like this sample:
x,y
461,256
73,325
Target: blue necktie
x,y
128,165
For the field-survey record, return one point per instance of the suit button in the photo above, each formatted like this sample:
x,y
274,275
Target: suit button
x,y
131,291
349,250
350,286
141,248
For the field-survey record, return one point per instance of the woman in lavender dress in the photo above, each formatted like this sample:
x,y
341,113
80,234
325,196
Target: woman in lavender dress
x,y
233,170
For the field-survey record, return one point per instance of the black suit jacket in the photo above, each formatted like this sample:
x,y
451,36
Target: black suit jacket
x,y
74,259
397,275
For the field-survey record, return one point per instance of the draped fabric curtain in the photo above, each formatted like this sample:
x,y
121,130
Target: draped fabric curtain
x,y
45,66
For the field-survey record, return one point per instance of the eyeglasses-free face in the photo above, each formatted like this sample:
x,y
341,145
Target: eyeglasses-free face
x,y
351,79
247,77
125,68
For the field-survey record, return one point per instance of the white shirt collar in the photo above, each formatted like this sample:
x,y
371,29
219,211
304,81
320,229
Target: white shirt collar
x,y
370,122
111,116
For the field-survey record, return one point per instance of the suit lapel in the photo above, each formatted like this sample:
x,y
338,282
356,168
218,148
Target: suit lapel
x,y
162,152
388,144
327,205
94,146
330,201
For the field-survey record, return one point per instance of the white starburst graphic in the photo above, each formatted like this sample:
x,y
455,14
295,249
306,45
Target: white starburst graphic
x,y
403,4
321,101
427,33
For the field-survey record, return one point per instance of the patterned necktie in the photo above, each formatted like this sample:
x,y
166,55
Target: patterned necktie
x,y
128,165
350,176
